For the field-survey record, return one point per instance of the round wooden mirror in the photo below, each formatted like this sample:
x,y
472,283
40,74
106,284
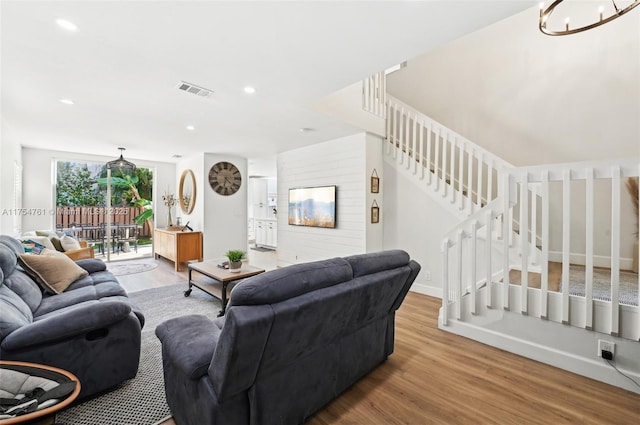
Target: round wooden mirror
x,y
187,191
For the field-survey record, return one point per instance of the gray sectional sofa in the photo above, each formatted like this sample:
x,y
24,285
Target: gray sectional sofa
x,y
91,329
291,341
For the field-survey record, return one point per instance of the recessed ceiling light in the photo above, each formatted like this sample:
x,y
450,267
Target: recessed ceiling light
x,y
66,101
306,129
249,90
69,26
190,128
177,156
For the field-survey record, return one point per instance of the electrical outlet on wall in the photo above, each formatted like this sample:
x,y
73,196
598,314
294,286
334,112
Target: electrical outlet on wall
x,y
427,275
606,346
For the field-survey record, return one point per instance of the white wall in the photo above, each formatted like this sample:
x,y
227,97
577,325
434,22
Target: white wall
x,y
534,99
224,217
10,156
194,163
221,219
413,221
342,162
39,183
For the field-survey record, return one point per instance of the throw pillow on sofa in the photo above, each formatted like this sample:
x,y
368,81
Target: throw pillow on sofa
x,y
57,244
69,243
53,270
42,240
32,247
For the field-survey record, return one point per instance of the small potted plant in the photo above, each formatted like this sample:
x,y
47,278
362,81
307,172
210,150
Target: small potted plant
x,y
235,257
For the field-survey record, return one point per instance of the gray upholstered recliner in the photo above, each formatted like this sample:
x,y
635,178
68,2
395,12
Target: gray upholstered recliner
x,y
292,340
91,329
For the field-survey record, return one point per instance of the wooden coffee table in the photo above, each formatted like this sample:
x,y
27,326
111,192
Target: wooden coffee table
x,y
216,280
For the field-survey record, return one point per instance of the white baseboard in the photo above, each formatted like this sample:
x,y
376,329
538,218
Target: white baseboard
x,y
598,260
594,369
422,288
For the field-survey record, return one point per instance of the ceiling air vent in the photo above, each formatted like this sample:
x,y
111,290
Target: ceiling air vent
x,y
193,89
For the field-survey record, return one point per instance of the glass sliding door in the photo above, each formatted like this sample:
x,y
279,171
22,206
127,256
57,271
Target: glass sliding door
x,y
118,227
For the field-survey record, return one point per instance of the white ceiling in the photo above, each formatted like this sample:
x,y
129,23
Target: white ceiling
x,y
122,66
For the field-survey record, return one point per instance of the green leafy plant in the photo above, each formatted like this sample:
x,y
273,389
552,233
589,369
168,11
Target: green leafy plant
x,y
128,185
235,255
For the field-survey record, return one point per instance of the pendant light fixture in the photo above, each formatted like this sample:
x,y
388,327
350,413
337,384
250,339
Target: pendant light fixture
x,y
600,16
121,164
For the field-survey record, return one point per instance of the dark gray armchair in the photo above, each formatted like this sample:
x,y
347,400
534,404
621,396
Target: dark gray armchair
x,y
291,341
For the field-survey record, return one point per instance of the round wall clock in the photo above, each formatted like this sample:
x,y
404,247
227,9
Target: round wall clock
x,y
225,178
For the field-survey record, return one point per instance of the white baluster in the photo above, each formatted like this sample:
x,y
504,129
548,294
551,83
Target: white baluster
x,y
411,142
437,159
488,266
421,149
615,250
588,272
415,144
365,93
452,168
533,251
403,124
474,280
462,150
395,131
429,173
505,246
490,181
479,190
459,265
566,245
388,126
544,284
445,145
470,181
524,244
445,281
376,92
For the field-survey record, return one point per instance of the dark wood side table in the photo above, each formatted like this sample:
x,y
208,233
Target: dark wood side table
x,y
217,279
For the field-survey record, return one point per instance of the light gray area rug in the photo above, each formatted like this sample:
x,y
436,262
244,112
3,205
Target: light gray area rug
x,y
128,267
628,287
141,401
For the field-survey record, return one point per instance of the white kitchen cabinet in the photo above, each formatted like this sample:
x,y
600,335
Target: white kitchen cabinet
x,y
266,233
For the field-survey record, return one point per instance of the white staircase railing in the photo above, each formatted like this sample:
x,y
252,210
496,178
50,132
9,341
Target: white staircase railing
x,y
454,167
511,231
470,269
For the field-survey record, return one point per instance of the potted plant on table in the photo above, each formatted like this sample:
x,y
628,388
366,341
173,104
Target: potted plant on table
x,y
235,257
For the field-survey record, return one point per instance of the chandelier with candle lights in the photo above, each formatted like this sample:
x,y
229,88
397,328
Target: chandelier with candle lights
x,y
601,16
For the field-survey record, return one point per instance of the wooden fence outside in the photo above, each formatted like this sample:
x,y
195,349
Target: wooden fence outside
x,y
92,217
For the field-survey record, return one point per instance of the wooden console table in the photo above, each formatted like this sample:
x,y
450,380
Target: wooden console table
x,y
177,246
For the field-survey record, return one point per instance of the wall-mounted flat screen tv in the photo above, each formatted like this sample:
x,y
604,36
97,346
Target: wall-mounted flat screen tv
x,y
313,206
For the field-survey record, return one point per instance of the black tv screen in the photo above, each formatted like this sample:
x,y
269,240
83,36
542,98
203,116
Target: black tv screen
x,y
313,206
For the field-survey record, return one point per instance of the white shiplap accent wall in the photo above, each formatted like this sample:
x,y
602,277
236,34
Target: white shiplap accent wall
x,y
339,162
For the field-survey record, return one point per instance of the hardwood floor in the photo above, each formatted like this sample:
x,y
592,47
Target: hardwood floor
x,y
435,377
